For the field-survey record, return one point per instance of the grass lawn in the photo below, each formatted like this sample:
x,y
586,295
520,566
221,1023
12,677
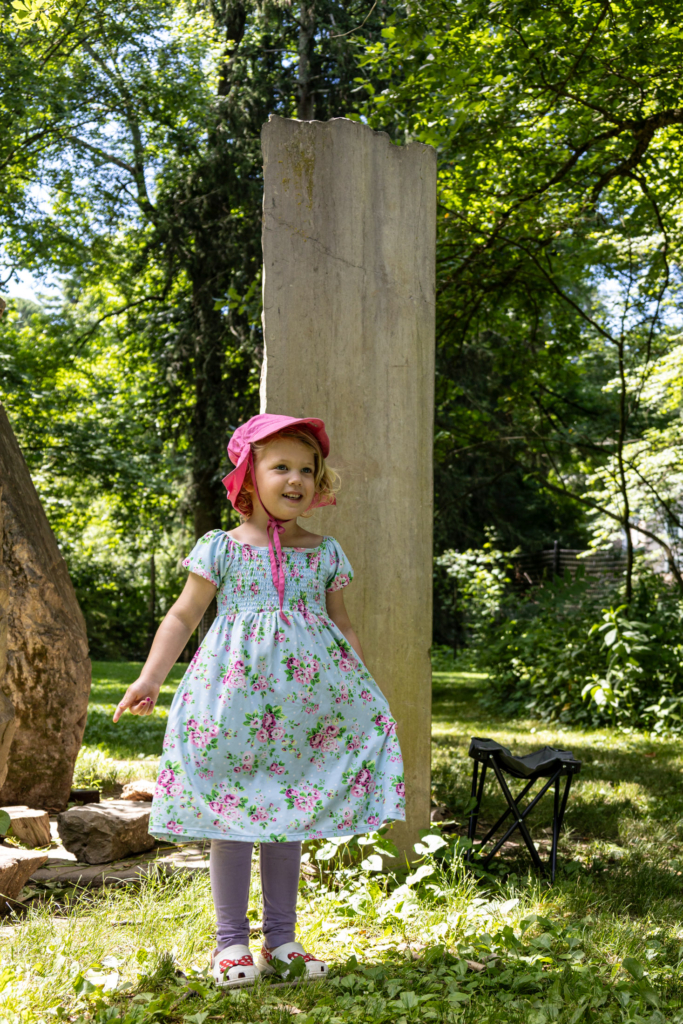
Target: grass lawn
x,y
603,944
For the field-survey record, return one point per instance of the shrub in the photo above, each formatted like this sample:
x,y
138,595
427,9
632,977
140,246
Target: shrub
x,y
560,655
479,582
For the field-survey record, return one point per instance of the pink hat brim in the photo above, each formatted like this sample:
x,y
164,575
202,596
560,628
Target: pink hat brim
x,y
258,428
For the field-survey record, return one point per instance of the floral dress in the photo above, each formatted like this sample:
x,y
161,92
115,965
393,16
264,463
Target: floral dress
x,y
277,732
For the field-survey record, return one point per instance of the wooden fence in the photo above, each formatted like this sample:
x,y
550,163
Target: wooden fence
x,y
532,569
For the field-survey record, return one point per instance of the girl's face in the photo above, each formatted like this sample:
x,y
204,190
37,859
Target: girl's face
x,y
285,474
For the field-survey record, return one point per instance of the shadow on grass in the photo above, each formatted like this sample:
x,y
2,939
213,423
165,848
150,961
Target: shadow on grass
x,y
624,777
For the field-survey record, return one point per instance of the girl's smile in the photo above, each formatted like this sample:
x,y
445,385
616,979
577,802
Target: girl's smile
x,y
285,474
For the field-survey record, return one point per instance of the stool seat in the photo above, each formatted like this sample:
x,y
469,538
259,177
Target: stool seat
x,y
547,763
541,764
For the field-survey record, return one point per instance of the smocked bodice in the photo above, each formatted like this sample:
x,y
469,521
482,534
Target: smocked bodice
x,y
245,584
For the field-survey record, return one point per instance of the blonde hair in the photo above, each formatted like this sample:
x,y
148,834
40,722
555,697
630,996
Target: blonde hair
x,y
326,479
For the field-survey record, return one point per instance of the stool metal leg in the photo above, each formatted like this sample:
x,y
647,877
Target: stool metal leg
x,y
556,830
564,799
477,793
506,814
520,816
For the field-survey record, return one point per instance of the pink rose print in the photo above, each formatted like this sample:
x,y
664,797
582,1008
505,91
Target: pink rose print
x,y
262,735
174,826
386,723
293,663
234,677
342,580
373,820
365,695
401,789
343,695
254,588
277,733
363,783
187,697
166,776
316,740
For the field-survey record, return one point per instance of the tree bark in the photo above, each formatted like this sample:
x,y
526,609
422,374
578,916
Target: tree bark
x,y
623,483
305,107
208,417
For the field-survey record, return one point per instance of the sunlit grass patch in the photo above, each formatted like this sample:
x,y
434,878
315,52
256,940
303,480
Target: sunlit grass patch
x,y
133,735
603,944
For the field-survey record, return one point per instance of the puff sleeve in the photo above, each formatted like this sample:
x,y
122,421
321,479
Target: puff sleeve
x,y
211,557
340,572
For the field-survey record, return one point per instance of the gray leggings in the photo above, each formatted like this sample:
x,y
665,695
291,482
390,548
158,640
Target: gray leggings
x,y
230,872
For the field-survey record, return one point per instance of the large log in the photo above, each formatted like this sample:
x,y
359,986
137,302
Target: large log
x,y
48,670
8,722
31,827
16,867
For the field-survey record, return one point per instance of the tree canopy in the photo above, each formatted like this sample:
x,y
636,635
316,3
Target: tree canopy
x,y
131,165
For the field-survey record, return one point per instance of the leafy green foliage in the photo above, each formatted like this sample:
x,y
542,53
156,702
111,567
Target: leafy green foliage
x,y
558,287
480,583
561,655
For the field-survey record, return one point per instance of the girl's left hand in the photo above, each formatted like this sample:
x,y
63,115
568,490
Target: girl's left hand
x,y
140,699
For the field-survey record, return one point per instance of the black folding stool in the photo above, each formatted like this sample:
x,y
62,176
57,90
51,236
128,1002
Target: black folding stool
x,y
547,763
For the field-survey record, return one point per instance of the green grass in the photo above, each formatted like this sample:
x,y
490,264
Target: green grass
x,y
605,944
133,737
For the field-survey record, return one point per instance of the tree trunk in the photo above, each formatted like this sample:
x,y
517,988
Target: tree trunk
x,y
208,419
152,601
305,93
623,483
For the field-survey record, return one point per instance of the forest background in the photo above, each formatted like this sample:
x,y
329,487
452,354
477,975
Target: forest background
x,y
131,193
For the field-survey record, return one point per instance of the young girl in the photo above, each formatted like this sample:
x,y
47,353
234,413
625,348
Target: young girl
x,y
277,733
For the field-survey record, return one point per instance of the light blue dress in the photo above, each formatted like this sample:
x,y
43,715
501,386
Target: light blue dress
x,y
276,732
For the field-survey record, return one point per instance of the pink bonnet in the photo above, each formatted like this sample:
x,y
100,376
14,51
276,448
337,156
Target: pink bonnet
x,y
258,428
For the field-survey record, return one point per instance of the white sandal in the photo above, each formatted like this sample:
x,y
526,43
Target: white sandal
x,y
316,969
234,966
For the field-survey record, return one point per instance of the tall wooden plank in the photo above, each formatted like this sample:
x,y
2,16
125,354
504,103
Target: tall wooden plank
x,y
349,278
